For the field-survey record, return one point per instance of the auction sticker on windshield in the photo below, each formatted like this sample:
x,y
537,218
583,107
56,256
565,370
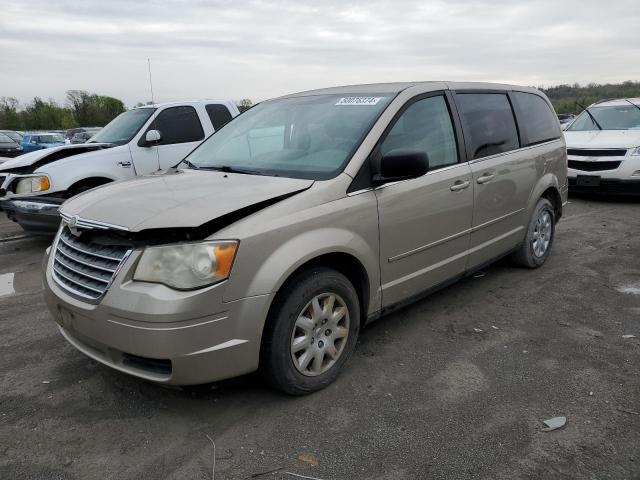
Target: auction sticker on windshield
x,y
359,100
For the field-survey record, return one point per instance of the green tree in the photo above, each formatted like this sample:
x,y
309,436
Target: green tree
x,y
90,109
245,104
45,115
9,116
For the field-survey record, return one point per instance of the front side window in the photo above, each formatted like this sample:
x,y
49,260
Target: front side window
x,y
488,123
302,137
425,125
536,119
124,127
219,115
617,117
178,125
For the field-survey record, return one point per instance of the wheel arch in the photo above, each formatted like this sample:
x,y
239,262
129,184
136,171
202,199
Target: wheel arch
x,y
546,187
91,182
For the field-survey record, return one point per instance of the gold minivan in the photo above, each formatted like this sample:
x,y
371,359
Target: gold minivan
x,y
271,244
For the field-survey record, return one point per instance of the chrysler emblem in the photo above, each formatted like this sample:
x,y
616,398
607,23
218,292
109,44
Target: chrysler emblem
x,y
73,222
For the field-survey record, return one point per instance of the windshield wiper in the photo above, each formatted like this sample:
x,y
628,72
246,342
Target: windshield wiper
x,y
632,103
245,171
188,163
593,119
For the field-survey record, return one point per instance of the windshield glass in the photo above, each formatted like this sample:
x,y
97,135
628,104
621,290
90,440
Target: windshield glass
x,y
618,117
13,136
51,138
124,127
302,137
5,139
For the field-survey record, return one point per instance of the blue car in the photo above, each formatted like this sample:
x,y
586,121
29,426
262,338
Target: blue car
x,y
37,141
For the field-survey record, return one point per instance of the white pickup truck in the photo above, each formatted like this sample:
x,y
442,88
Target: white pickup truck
x,y
138,142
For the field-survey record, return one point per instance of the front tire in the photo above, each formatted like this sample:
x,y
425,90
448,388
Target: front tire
x,y
540,235
311,332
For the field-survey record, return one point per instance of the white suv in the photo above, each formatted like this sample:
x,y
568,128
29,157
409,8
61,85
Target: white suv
x,y
603,147
137,142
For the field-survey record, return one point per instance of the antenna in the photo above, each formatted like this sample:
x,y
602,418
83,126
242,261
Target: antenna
x,y
150,81
153,103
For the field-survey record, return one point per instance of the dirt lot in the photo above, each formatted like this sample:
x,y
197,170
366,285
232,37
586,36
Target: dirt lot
x,y
454,387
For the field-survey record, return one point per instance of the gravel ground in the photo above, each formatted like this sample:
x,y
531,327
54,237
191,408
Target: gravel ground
x,y
455,386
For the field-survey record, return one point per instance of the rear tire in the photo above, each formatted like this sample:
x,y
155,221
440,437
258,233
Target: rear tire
x,y
311,332
539,239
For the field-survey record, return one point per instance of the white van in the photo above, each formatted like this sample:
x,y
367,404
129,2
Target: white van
x,y
137,142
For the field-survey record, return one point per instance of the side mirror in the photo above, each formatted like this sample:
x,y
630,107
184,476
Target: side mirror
x,y
33,142
401,164
152,137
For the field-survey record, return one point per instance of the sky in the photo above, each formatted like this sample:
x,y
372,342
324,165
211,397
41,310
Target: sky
x,y
260,49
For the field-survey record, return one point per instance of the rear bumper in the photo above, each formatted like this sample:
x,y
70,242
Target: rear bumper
x,y
36,215
607,186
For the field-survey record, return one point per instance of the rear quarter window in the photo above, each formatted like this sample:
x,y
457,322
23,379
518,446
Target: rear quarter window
x,y
488,123
219,115
537,121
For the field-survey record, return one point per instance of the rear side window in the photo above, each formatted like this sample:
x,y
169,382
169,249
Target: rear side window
x,y
218,114
488,123
178,125
536,120
425,125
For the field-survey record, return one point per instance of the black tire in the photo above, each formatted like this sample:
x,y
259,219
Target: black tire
x,y
277,363
526,255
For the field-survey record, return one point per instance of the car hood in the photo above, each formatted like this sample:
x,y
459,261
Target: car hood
x,y
30,158
12,145
603,139
187,198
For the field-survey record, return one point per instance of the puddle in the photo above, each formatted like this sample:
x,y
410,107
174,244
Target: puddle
x,y
631,289
20,282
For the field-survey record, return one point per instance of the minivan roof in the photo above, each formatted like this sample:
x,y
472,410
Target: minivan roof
x,y
375,88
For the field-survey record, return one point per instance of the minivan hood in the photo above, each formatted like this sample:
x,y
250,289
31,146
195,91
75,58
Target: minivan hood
x,y
603,139
187,198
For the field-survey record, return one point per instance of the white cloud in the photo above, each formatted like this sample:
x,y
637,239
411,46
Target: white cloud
x,y
260,49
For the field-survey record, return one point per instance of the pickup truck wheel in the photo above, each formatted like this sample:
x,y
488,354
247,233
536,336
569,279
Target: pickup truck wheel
x,y
312,332
540,234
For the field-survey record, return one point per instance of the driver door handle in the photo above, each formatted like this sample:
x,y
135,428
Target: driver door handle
x,y
486,177
125,164
460,185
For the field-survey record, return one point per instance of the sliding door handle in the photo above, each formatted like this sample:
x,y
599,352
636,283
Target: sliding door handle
x,y
460,185
486,177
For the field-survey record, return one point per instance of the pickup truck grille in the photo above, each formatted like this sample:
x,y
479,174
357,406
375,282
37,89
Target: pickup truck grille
x,y
590,152
593,166
84,268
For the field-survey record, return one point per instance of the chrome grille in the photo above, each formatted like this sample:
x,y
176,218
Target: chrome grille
x,y
85,268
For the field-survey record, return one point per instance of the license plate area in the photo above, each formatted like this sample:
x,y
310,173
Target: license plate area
x,y
588,181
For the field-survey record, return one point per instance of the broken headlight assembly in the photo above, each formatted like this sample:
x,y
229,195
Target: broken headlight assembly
x,y
187,266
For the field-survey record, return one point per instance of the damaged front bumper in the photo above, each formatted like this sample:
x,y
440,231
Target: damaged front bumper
x,y
34,214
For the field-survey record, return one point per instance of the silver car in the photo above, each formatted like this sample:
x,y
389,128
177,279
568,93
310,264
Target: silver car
x,y
301,220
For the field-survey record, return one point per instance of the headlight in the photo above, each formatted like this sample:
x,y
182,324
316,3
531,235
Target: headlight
x,y
33,184
187,266
636,151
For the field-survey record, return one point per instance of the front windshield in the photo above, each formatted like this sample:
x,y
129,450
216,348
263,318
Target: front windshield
x,y
302,137
618,117
5,138
124,127
51,138
16,137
